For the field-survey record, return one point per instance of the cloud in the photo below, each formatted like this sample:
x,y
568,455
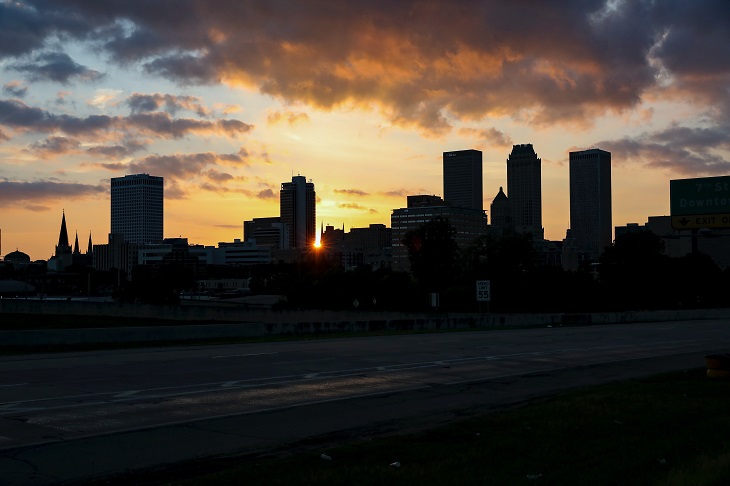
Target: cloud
x,y
676,157
25,28
179,170
267,194
3,137
57,67
16,114
353,192
354,206
141,103
217,176
490,136
53,146
104,97
124,149
26,194
290,117
177,166
400,193
421,66
15,88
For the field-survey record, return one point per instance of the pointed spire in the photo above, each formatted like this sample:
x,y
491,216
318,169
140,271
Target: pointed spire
x,y
500,194
90,248
76,244
63,236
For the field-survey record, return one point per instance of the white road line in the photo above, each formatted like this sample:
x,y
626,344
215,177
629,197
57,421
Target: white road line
x,y
286,379
242,355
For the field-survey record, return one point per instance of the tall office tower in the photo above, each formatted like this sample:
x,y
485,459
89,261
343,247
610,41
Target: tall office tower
x,y
137,202
590,201
524,189
298,211
463,179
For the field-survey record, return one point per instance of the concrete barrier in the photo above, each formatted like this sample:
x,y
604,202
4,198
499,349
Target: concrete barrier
x,y
193,323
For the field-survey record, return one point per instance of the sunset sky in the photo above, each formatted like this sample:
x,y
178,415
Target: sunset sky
x,y
227,99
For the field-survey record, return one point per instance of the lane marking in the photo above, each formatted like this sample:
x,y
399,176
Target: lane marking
x,y
14,384
286,379
341,398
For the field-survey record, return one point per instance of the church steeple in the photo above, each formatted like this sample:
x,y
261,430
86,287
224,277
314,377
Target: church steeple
x,y
76,245
63,236
90,248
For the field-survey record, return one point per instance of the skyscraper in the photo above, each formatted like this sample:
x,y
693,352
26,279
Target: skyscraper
x,y
590,201
136,208
298,211
524,190
463,179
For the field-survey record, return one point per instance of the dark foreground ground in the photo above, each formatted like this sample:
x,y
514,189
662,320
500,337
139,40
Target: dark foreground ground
x,y
670,429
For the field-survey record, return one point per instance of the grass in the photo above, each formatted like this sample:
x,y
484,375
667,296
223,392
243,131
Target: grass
x,y
671,429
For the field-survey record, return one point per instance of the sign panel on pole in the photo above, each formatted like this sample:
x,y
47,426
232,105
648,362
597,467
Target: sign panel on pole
x,y
702,202
484,290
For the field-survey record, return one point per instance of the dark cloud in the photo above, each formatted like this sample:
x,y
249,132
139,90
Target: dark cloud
x,y
490,136
125,149
353,192
57,67
15,88
20,193
55,146
218,176
24,28
179,166
267,194
680,158
182,168
140,103
422,65
163,124
16,114
184,68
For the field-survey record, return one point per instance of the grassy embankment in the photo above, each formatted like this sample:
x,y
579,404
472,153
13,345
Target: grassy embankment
x,y
672,429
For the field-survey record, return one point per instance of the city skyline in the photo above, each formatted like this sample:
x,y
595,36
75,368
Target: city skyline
x,y
227,102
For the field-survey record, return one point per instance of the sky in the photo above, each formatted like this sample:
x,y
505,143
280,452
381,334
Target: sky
x,y
228,99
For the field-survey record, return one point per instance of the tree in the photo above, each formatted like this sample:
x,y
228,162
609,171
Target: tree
x,y
432,252
634,271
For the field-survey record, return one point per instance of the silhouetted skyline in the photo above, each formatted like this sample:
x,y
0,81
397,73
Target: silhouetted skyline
x,y
225,101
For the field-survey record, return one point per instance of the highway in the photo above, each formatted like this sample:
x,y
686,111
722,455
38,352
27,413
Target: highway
x,y
72,416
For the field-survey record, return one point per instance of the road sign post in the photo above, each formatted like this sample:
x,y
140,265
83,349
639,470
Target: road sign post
x,y
484,293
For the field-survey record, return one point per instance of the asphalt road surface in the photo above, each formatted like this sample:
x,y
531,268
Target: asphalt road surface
x,y
72,416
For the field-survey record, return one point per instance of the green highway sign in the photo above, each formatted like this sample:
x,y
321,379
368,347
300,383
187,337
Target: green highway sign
x,y
696,221
703,202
